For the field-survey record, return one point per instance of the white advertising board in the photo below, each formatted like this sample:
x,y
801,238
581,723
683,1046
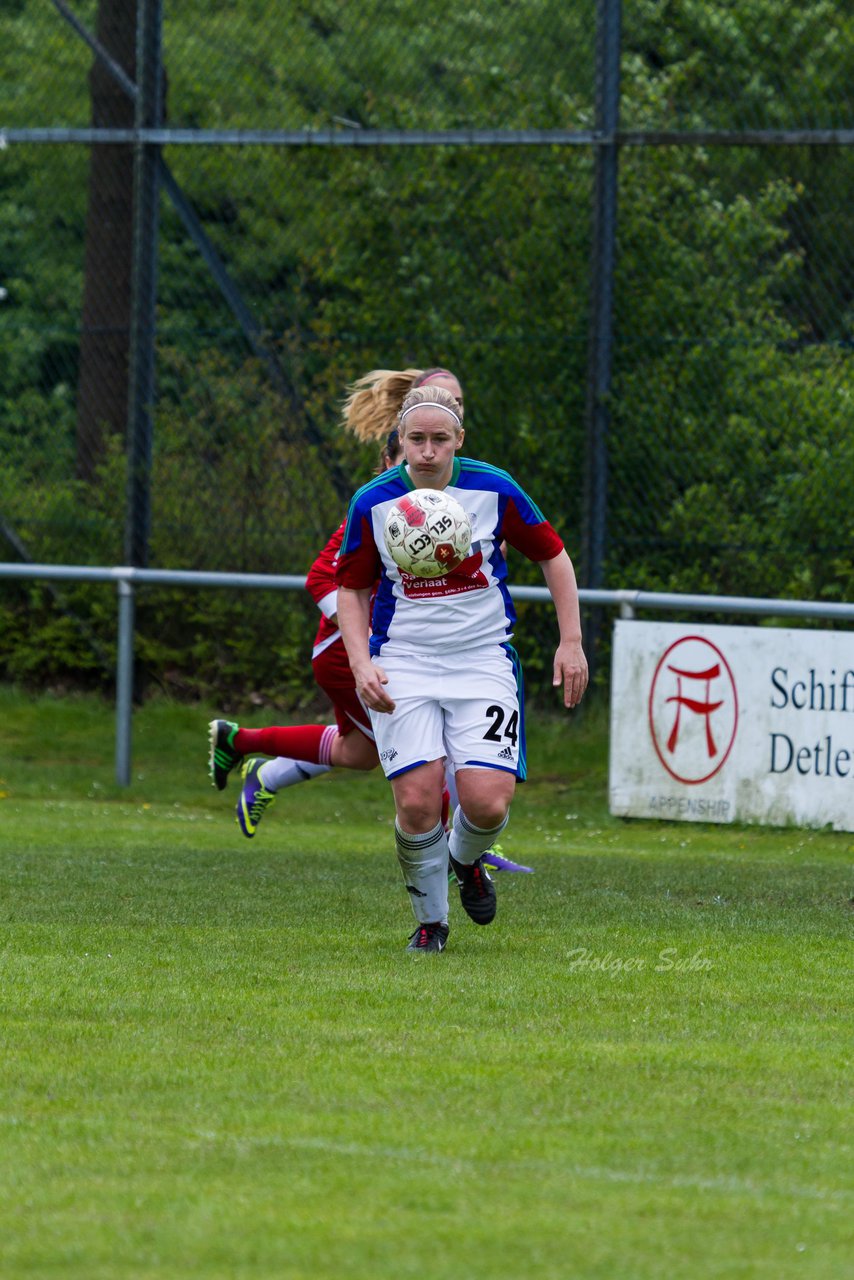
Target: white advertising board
x,y
732,724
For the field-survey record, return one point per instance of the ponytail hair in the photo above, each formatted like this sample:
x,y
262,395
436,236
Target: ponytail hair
x,y
373,402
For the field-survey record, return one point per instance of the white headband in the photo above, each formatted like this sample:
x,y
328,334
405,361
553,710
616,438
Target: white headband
x,y
432,404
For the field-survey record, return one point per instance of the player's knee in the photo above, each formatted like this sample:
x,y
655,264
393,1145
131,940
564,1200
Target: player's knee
x,y
418,808
418,816
486,812
485,797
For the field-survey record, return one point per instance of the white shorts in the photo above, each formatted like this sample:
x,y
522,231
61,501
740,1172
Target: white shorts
x,y
467,707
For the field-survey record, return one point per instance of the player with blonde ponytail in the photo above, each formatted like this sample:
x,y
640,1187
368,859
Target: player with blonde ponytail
x,y
301,752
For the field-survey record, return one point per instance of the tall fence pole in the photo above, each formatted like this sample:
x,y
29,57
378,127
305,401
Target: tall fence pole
x,y
603,260
146,193
148,114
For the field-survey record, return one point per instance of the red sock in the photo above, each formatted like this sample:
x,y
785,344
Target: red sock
x,y
311,742
446,807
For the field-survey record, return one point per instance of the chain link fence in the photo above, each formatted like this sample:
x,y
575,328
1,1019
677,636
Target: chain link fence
x,y
386,184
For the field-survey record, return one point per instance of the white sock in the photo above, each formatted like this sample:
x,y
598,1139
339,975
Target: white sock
x,y
284,772
424,862
467,842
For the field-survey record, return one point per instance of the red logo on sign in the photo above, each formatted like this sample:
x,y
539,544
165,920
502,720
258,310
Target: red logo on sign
x,y
693,710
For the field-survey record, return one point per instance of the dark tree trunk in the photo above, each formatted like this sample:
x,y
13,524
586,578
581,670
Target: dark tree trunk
x,y
102,401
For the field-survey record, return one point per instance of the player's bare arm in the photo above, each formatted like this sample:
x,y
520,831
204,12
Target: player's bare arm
x,y
354,621
570,664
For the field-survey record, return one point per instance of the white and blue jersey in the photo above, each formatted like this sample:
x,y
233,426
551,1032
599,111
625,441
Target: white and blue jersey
x,y
468,607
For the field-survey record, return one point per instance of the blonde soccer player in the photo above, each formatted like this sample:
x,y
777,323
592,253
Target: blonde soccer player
x,y
433,662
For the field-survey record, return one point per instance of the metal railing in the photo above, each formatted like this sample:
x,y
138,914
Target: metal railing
x,y
127,578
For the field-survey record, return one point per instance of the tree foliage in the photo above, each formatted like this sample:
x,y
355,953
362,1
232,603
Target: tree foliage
x,y
730,454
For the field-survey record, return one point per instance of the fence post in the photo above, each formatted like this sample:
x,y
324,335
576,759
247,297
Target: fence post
x,y
146,198
124,681
603,258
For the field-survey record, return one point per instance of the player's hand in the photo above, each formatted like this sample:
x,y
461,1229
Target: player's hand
x,y
369,686
570,671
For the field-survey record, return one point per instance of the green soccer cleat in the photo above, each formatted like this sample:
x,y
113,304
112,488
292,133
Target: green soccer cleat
x,y
494,860
254,800
223,757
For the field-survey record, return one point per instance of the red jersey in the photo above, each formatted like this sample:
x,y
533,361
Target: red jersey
x,y
323,589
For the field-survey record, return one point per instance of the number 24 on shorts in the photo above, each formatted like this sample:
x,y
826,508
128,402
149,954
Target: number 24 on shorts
x,y
494,732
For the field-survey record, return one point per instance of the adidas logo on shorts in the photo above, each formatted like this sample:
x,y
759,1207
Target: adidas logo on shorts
x,y
506,754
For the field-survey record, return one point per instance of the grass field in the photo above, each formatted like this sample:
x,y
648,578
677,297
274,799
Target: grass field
x,y
218,1061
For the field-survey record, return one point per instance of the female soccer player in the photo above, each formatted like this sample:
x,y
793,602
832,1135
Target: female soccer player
x,y
438,674
303,752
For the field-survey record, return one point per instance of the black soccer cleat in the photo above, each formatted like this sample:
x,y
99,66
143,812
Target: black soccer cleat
x,y
222,757
477,892
429,937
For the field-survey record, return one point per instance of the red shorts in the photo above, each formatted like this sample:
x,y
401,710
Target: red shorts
x,y
333,675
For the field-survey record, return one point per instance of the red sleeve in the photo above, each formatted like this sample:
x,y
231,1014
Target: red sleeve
x,y
360,567
320,580
536,541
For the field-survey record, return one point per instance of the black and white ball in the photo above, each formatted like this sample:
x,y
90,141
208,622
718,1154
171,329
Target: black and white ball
x,y
427,533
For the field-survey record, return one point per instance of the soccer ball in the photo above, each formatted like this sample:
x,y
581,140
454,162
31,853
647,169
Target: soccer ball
x,y
427,533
